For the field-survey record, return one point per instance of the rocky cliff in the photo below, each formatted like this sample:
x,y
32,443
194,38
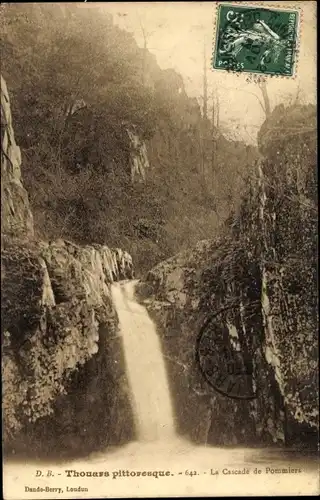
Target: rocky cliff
x,y
118,154
59,328
247,302
16,216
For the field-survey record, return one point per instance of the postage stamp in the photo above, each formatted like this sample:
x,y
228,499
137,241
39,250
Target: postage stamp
x,y
256,39
222,360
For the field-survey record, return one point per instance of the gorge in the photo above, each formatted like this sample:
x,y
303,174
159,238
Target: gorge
x,y
113,259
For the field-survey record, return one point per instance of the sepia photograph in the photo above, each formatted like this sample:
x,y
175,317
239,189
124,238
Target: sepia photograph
x,y
159,249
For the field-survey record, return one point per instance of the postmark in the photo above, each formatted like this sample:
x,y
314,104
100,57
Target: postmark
x,y
256,39
221,360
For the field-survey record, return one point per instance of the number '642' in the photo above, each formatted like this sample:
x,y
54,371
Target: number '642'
x,y
190,473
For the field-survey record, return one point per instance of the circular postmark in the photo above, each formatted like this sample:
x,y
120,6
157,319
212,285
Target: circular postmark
x,y
223,360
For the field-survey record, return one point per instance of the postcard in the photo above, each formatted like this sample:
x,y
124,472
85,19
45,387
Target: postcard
x,y
159,249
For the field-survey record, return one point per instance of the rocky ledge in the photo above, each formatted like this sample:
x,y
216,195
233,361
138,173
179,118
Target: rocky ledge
x,y
59,328
255,290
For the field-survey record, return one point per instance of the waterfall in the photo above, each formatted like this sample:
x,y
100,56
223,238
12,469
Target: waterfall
x,y
145,366
189,469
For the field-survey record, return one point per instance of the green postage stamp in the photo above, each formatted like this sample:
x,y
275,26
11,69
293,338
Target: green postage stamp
x,y
256,39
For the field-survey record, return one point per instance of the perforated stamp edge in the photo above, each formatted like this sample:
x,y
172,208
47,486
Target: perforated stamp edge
x,y
253,77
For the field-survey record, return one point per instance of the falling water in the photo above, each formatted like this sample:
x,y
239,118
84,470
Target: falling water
x,y
158,447
145,366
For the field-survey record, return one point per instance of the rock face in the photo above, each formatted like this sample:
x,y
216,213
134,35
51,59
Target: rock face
x,y
139,162
255,290
63,366
65,329
16,216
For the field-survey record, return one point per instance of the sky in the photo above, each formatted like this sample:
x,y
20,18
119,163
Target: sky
x,y
177,32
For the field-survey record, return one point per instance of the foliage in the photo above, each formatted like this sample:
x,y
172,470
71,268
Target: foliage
x,y
76,86
271,255
260,278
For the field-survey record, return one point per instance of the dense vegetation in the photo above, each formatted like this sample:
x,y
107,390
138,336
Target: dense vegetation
x,y
257,284
78,83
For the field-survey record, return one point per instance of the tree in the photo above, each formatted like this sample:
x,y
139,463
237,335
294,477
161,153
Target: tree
x,y
261,81
77,89
205,83
215,123
146,35
266,99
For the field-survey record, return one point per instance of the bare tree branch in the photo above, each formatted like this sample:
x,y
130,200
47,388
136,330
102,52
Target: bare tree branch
x,y
252,93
